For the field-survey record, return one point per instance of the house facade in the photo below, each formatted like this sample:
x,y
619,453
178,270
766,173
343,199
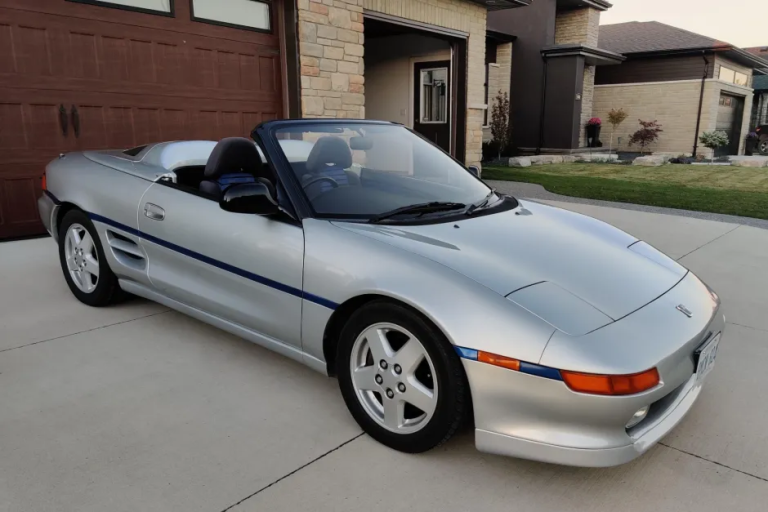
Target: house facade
x,y
689,83
96,74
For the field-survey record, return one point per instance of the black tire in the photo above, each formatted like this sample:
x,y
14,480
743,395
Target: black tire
x,y
107,290
762,145
453,402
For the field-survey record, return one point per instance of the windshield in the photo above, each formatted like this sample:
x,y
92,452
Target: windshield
x,y
358,170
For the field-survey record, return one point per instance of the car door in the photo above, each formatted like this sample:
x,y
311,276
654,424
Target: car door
x,y
245,269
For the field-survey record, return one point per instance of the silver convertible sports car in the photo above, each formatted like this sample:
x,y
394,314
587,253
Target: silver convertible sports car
x,y
363,251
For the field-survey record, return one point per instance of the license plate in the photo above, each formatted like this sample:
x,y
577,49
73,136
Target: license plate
x,y
706,358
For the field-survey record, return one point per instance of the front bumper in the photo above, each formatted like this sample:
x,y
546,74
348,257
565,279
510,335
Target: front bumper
x,y
526,416
48,209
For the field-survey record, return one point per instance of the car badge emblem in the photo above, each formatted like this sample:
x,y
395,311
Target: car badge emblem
x,y
684,310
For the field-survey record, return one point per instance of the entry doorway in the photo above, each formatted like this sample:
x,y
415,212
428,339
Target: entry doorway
x,y
416,76
431,101
730,112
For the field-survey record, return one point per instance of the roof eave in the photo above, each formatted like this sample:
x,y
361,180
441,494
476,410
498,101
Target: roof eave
x,y
593,56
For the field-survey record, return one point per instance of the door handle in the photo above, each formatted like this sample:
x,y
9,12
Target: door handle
x,y
63,122
154,212
76,121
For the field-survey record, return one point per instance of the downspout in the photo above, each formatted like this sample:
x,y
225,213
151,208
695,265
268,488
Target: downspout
x,y
543,107
701,103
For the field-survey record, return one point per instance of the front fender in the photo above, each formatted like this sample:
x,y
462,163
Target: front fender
x,y
341,265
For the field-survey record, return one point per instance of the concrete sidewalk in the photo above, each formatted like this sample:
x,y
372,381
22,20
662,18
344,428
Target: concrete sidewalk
x,y
138,408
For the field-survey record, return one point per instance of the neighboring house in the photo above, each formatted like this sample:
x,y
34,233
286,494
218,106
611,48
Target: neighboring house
x,y
94,74
689,83
555,58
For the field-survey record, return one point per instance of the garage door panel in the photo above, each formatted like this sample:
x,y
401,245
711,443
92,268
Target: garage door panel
x,y
180,22
127,78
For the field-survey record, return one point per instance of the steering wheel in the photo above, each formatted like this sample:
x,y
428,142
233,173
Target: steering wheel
x,y
333,182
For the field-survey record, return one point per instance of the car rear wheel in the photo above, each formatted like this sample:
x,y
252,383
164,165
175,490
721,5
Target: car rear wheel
x,y
83,263
400,378
762,146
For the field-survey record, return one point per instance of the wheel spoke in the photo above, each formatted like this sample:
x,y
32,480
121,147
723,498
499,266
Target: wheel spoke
x,y
394,413
76,237
420,397
71,263
410,356
364,378
378,343
91,265
86,242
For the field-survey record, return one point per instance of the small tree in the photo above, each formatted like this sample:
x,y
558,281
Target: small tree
x,y
500,122
615,117
647,135
714,140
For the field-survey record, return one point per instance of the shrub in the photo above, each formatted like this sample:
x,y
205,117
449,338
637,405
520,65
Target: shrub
x,y
647,135
500,122
615,117
714,140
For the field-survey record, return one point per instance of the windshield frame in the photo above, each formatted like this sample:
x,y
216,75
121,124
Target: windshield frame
x,y
266,134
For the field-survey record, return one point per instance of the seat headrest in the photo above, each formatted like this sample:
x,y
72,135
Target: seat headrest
x,y
329,150
234,155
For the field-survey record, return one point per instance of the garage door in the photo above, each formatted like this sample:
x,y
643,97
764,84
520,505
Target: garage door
x,y
729,118
93,74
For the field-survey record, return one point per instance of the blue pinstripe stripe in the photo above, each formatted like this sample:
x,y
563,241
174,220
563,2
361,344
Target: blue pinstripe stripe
x,y
216,263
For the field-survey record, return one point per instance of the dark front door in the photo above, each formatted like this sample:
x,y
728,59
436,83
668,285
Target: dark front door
x,y
96,75
729,116
432,100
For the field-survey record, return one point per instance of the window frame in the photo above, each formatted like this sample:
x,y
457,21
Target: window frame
x,y
270,7
447,95
112,5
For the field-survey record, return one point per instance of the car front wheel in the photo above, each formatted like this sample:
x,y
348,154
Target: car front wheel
x,y
83,263
400,378
762,146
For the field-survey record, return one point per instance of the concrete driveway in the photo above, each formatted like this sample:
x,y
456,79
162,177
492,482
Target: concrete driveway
x,y
139,408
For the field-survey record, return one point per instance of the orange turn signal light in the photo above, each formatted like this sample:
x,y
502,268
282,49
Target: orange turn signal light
x,y
496,360
611,384
43,183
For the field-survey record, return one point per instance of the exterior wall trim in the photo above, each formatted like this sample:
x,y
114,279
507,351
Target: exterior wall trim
x,y
746,90
375,15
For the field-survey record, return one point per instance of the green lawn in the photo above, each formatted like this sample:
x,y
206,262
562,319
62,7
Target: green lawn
x,y
718,189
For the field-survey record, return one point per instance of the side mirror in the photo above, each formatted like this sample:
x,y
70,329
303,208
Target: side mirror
x,y
474,170
256,198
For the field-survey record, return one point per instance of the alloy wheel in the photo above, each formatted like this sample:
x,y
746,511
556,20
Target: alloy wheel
x,y
82,258
394,378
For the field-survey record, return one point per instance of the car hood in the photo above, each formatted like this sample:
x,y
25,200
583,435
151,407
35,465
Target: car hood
x,y
535,243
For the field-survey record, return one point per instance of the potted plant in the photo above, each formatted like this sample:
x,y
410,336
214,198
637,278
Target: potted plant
x,y
615,117
593,132
647,135
751,145
714,140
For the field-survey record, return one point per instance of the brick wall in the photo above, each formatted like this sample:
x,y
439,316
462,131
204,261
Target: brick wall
x,y
499,77
577,26
673,104
587,102
581,26
331,50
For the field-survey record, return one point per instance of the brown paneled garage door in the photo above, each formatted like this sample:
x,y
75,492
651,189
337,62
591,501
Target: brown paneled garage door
x,y
93,74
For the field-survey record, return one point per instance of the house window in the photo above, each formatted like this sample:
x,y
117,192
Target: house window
x,y
148,6
252,14
733,77
487,95
434,95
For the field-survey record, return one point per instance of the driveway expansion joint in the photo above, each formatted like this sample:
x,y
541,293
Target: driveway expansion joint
x,y
342,445
86,330
706,244
715,462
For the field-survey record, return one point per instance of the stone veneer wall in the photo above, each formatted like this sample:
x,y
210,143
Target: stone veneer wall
x,y
331,50
581,26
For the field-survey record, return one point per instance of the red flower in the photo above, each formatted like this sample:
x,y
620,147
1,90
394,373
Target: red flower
x,y
595,121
